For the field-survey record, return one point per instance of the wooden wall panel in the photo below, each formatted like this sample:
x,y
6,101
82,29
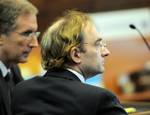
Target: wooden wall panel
x,y
50,9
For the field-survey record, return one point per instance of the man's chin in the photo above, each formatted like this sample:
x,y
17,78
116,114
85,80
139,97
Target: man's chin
x,y
102,70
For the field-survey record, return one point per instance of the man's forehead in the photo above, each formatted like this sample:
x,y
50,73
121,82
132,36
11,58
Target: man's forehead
x,y
26,21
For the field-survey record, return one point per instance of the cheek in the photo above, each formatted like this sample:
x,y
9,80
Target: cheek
x,y
96,54
14,49
17,46
98,58
21,43
93,55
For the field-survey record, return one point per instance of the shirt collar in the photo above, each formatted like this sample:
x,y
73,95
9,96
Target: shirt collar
x,y
3,69
82,79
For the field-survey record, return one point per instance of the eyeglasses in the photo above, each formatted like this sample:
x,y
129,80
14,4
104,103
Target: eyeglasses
x,y
29,34
100,44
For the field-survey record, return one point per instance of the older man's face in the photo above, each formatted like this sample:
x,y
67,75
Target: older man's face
x,y
19,43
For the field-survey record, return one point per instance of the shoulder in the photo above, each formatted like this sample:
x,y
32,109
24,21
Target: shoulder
x,y
106,100
28,88
95,92
27,83
27,93
105,94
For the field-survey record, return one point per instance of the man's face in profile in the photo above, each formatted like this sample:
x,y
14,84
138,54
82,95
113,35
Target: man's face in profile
x,y
95,51
19,43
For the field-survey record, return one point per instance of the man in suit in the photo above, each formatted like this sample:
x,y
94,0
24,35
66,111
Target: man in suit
x,y
72,51
18,26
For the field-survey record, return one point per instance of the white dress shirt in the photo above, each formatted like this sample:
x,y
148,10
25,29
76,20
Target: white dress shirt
x,y
3,69
82,79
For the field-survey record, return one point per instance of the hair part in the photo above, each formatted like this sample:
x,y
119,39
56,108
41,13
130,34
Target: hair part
x,y
59,38
10,10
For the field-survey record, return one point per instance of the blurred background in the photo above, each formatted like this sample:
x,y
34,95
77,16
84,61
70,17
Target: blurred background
x,y
128,67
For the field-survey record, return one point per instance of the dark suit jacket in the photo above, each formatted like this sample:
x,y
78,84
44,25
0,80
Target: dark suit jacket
x,y
5,108
62,93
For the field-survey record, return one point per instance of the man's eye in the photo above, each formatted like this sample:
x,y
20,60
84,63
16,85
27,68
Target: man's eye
x,y
27,33
98,43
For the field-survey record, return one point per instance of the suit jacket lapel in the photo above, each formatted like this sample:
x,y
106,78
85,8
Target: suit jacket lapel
x,y
4,87
17,77
4,91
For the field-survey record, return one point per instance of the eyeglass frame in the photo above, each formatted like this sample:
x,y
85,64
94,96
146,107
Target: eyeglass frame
x,y
29,34
102,44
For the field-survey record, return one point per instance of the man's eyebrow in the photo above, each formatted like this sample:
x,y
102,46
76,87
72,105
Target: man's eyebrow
x,y
98,40
28,31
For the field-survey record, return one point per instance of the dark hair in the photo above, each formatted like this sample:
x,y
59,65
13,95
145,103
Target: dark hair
x,y
9,12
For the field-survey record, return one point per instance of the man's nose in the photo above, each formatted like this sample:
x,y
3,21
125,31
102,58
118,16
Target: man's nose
x,y
105,52
34,42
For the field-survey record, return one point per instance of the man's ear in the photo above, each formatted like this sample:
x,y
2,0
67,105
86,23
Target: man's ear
x,y
75,55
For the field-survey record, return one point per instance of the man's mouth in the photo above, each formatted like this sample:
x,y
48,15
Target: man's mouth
x,y
26,53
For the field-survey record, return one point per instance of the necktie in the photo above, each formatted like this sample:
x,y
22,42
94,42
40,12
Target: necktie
x,y
10,85
9,79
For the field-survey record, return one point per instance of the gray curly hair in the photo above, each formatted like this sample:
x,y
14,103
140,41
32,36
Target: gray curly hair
x,y
9,12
